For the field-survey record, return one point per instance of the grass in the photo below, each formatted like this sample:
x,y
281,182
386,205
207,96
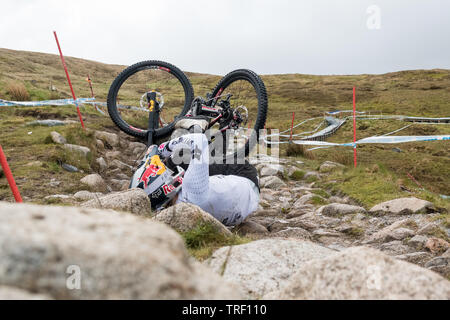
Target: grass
x,y
205,238
17,91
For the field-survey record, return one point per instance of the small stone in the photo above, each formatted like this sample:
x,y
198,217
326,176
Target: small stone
x,y
395,247
414,257
57,196
251,227
272,182
325,233
335,209
112,155
102,164
436,245
57,138
100,145
329,166
120,165
418,241
271,170
400,234
293,232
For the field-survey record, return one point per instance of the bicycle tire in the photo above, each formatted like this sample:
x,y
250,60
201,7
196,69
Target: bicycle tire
x,y
261,92
133,69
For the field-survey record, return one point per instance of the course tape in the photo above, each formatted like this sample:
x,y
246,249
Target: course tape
x,y
58,102
380,139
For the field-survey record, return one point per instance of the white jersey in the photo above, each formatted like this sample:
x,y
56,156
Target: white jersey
x,y
230,199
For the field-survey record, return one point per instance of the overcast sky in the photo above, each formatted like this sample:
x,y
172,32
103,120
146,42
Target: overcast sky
x,y
277,36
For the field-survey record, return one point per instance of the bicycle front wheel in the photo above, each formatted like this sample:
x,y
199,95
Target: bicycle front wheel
x,y
127,105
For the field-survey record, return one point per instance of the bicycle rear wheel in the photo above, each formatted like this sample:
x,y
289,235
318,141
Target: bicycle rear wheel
x,y
248,91
126,98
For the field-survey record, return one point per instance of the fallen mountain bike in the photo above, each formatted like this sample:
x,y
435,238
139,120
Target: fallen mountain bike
x,y
148,99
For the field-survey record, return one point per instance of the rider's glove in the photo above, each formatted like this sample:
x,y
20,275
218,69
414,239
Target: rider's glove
x,y
166,149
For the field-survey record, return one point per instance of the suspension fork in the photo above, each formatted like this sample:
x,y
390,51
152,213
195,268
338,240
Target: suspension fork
x,y
153,117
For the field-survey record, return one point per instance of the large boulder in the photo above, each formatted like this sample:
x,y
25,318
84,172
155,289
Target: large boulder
x,y
79,253
265,265
133,200
186,216
95,182
363,273
403,206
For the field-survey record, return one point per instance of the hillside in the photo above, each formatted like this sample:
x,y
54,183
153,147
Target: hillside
x,y
415,93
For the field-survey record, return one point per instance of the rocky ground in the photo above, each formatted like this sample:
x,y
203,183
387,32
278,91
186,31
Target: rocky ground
x,y
306,243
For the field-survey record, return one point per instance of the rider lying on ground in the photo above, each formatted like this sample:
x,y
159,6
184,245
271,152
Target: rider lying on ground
x,y
229,192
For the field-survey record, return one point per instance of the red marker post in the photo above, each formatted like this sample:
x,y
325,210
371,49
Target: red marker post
x,y
354,126
68,80
292,125
9,176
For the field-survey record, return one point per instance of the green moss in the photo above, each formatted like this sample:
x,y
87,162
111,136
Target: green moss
x,y
321,193
318,200
202,240
297,175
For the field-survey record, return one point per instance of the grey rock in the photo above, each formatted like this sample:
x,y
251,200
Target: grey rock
x,y
83,151
403,206
186,216
293,232
251,227
418,241
120,165
102,164
272,182
271,170
57,138
400,234
265,265
47,123
100,145
335,209
383,234
363,273
110,138
14,293
329,166
112,155
415,257
134,200
304,200
395,247
119,256
84,195
95,182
